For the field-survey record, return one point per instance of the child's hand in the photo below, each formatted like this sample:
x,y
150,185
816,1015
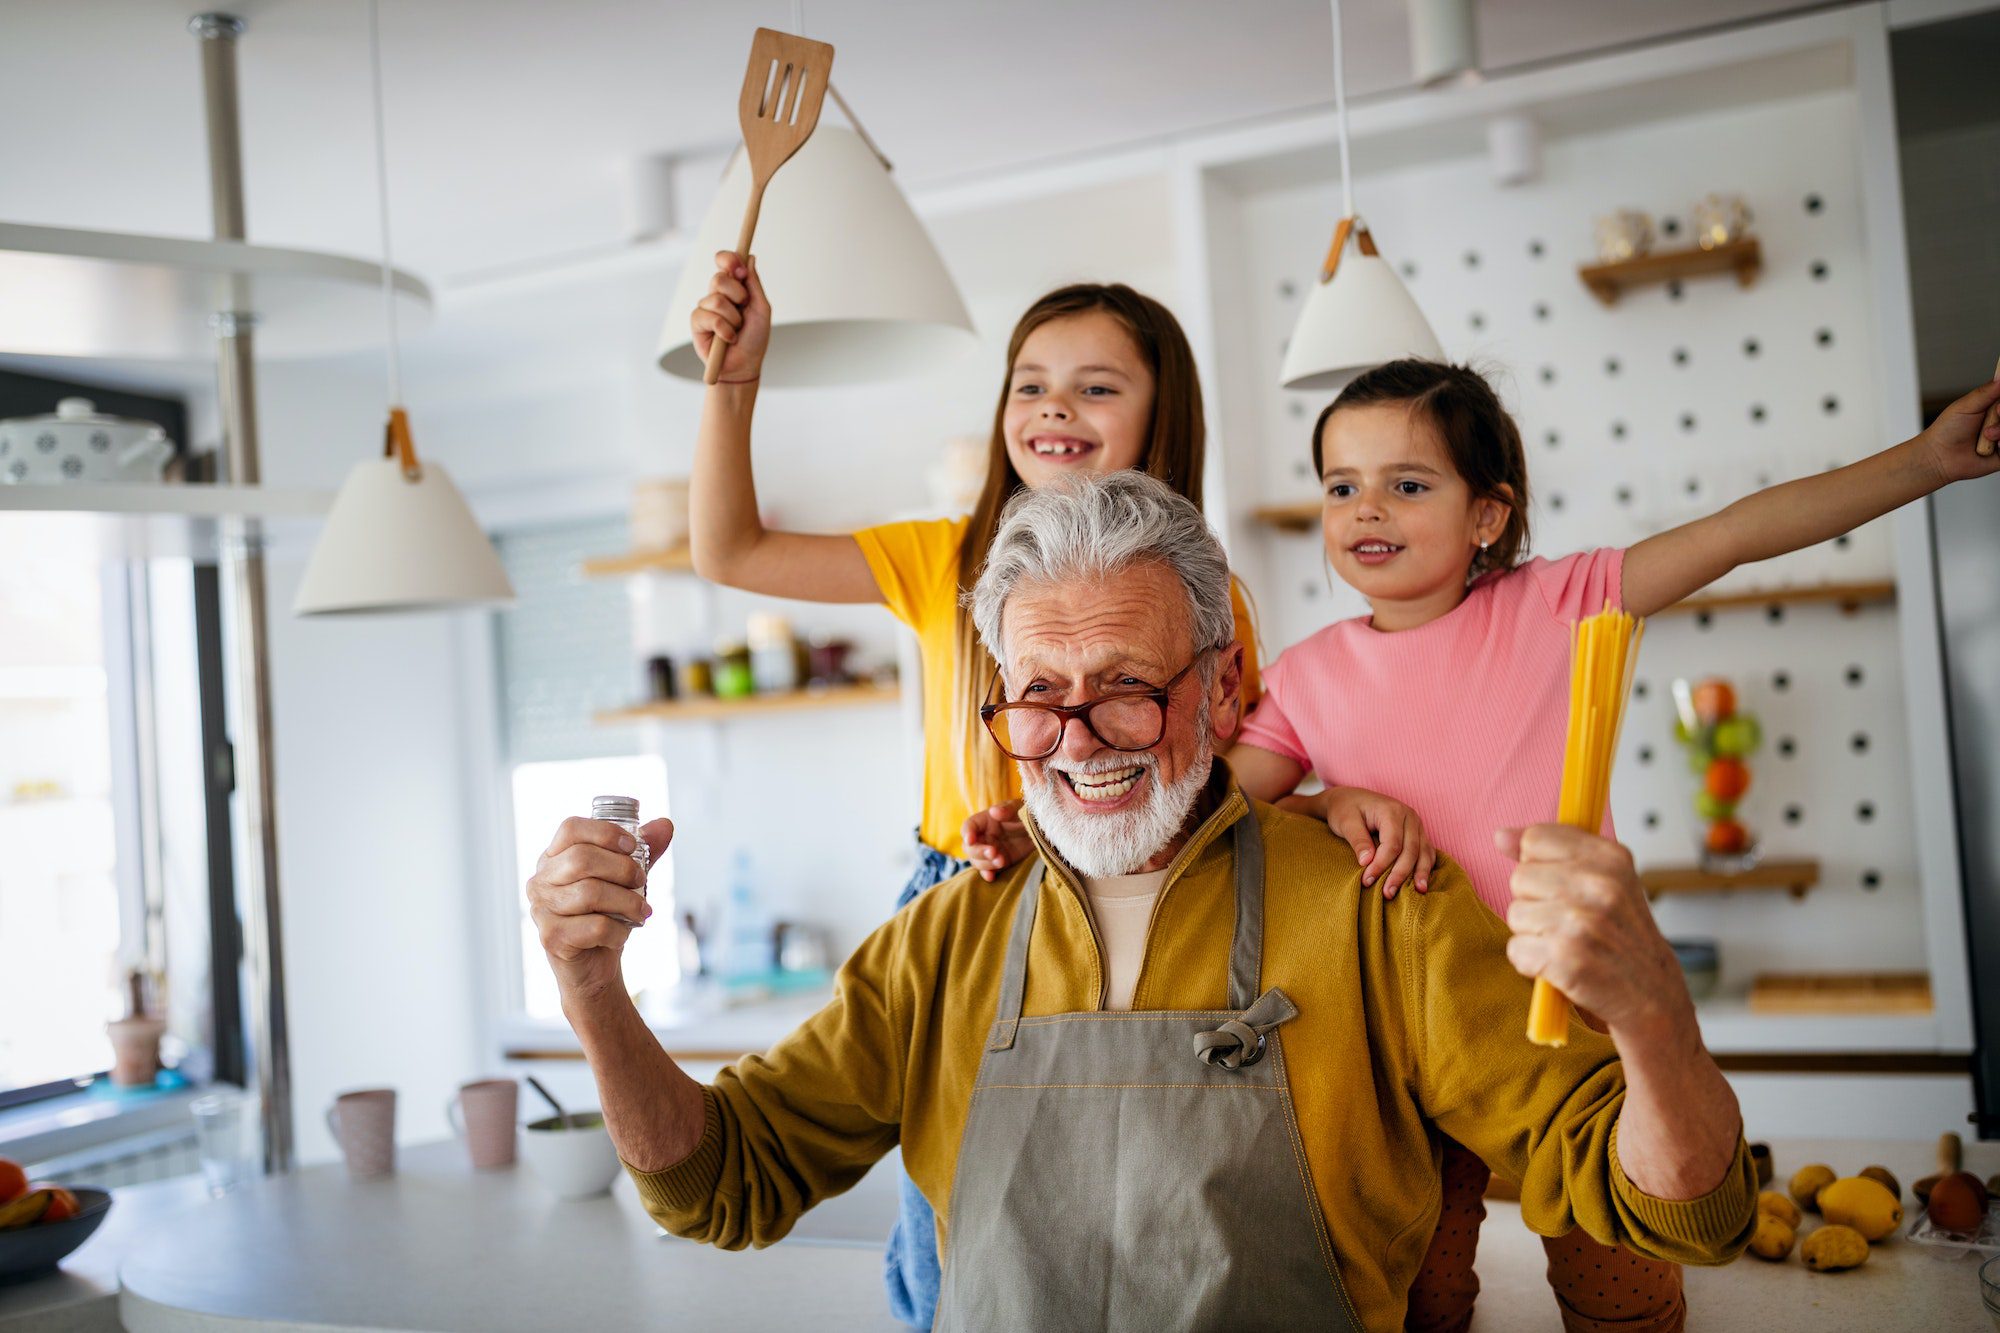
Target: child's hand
x,y
734,310
1386,835
995,838
1954,441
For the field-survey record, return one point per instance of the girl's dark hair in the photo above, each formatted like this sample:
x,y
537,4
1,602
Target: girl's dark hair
x,y
1481,440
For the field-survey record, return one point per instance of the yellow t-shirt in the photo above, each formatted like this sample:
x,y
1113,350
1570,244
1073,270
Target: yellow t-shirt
x,y
916,567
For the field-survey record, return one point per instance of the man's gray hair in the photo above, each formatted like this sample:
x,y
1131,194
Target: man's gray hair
x,y
1091,528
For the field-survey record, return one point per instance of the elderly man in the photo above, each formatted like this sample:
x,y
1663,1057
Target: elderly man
x,y
1179,1070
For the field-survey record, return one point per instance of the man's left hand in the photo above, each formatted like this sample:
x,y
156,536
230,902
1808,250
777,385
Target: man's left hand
x,y
1580,919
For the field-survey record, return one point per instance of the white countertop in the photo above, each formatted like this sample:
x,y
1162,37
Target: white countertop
x,y
441,1247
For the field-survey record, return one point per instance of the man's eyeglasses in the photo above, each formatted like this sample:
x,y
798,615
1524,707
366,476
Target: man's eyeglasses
x,y
1134,720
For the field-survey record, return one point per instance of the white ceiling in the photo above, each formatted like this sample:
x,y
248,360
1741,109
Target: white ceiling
x,y
512,122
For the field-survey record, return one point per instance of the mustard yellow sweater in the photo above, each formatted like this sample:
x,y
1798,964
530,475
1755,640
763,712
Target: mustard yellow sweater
x,y
1410,1025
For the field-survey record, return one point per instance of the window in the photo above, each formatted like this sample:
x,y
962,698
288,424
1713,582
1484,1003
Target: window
x,y
565,653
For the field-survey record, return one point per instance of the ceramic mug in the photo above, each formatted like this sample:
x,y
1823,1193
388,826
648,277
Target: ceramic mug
x,y
483,1115
576,1160
364,1124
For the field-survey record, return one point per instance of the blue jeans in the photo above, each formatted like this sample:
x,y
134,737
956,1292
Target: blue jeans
x,y
910,1269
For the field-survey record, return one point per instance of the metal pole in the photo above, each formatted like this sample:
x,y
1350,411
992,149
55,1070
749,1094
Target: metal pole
x,y
236,386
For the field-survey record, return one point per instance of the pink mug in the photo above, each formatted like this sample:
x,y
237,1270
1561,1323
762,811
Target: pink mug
x,y
484,1114
364,1124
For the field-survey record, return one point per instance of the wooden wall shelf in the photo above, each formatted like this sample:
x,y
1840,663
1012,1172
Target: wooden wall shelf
x,y
710,710
1289,518
1849,597
678,561
1841,993
1744,258
1795,877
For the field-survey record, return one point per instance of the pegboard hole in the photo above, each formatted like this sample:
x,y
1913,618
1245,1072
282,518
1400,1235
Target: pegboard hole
x,y
1536,249
1703,620
1855,676
1787,747
1623,495
1865,812
1830,405
1751,347
1472,259
1793,814
1675,291
1548,374
1842,542
1617,430
1775,614
1611,365
1692,485
1819,270
1757,413
1640,689
1814,204
1409,270
1556,501
1542,310
1871,880
1781,681
1476,320
1297,409
1670,226
1652,819
1287,290
1552,438
1645,754
1824,337
1858,742
1687,421
1681,356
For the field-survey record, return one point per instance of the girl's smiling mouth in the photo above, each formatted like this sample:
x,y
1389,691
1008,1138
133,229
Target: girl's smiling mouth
x,y
1374,551
1060,448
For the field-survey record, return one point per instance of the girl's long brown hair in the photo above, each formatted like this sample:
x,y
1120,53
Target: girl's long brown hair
x,y
1174,449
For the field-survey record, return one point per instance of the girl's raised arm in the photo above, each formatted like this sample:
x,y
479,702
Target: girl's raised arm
x,y
731,545
1663,569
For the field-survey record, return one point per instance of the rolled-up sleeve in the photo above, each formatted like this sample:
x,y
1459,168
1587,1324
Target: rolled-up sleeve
x,y
802,1122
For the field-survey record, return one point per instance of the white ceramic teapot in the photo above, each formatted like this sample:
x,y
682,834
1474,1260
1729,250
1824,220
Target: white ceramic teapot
x,y
75,444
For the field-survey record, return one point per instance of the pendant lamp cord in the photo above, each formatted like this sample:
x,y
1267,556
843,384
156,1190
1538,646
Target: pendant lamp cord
x,y
382,196
1339,115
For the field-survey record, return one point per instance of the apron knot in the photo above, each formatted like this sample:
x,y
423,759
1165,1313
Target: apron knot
x,y
1240,1041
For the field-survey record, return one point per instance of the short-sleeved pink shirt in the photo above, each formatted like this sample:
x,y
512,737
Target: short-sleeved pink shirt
x,y
1462,719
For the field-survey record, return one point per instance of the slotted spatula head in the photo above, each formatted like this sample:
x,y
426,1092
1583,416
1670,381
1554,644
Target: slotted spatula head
x,y
782,94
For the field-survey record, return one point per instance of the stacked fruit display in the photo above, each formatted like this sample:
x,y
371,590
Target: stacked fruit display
x,y
1719,739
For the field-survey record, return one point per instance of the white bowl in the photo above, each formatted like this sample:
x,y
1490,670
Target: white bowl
x,y
76,443
575,1162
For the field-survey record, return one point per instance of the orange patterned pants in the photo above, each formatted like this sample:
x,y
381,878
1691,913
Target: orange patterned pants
x,y
1598,1288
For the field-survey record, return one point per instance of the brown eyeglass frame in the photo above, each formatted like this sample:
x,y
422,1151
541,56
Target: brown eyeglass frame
x,y
1161,696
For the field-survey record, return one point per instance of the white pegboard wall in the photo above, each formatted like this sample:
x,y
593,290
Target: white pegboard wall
x,y
1637,417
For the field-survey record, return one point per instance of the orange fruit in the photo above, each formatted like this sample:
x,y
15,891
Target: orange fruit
x,y
1714,700
62,1205
1726,837
13,1180
1727,779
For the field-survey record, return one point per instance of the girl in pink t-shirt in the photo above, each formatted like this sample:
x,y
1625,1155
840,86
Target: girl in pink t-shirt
x,y
1452,697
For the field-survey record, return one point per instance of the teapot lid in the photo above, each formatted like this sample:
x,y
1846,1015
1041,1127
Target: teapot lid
x,y
85,410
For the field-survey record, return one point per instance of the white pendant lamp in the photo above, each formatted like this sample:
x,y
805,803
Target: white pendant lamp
x,y
858,292
400,537
1358,314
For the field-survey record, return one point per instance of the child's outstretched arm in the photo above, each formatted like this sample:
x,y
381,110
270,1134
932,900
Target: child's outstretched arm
x,y
730,543
1663,569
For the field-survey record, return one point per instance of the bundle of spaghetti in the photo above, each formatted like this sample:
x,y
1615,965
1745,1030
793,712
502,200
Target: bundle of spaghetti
x,y
1604,649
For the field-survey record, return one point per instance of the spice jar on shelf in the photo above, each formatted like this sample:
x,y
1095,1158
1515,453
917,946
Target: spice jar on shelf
x,y
730,675
774,655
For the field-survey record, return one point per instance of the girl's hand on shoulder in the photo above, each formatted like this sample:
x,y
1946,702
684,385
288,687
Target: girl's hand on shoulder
x,y
1953,442
735,311
1387,838
995,838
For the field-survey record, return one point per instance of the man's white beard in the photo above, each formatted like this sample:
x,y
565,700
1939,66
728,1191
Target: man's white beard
x,y
1119,844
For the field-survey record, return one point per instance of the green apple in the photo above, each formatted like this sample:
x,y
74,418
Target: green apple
x,y
1739,736
1711,808
1699,758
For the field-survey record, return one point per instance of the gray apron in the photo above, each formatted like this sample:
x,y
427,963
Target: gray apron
x,y
1140,1170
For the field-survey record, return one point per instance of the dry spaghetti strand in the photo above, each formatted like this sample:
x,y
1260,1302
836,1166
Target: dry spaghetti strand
x,y
1604,649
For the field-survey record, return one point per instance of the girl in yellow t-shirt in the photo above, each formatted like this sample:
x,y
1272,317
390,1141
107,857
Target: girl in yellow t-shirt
x,y
1099,377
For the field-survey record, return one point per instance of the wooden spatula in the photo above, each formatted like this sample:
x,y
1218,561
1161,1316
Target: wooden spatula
x,y
782,93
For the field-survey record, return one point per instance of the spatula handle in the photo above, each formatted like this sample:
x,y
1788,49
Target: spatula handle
x,y
717,348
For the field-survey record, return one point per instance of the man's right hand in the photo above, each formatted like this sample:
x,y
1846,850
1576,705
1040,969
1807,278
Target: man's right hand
x,y
585,879
736,311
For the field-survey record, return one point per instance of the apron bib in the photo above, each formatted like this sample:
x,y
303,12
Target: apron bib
x,y
1140,1171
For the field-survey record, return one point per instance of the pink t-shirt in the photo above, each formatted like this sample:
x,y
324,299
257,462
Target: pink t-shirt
x,y
1462,720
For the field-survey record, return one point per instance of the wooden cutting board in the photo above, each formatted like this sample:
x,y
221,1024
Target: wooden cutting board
x,y
1841,993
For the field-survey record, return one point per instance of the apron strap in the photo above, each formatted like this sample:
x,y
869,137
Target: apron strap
x,y
1239,1041
1014,977
1246,948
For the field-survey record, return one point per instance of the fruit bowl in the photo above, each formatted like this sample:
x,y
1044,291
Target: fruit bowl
x,y
30,1251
